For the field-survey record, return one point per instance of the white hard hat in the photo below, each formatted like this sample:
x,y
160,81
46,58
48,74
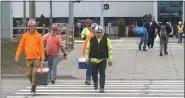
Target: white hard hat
x,y
93,25
180,22
98,29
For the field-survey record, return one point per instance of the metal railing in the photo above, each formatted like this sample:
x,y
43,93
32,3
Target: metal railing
x,y
67,37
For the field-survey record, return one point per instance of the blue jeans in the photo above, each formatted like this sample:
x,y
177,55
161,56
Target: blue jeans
x,y
180,37
141,42
89,71
52,64
101,67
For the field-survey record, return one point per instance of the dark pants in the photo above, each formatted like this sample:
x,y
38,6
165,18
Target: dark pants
x,y
89,71
101,67
150,40
180,35
163,44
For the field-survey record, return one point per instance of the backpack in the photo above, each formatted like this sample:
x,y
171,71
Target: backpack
x,y
163,31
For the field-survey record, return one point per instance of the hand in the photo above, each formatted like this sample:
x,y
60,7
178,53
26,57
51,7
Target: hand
x,y
65,57
86,61
16,58
83,54
42,64
110,63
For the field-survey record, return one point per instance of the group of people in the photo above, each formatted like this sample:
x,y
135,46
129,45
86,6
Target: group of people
x,y
97,49
33,45
148,30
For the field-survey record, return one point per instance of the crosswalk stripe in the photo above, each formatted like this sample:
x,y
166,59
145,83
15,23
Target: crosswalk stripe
x,y
169,81
90,87
79,97
129,83
177,91
114,85
113,88
94,93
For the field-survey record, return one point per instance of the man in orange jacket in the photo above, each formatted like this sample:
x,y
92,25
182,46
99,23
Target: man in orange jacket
x,y
88,72
32,43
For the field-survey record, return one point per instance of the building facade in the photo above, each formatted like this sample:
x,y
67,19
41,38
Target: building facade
x,y
173,11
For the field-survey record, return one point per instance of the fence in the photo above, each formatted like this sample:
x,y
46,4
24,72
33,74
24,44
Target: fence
x,y
67,38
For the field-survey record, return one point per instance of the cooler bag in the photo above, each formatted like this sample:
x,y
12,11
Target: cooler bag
x,y
43,76
81,63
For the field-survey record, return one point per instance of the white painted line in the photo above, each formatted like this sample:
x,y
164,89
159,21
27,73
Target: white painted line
x,y
75,97
138,50
112,85
96,93
91,85
127,83
68,81
81,90
83,87
166,94
161,91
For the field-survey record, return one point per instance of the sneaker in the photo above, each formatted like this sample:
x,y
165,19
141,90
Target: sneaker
x,y
33,93
88,82
161,54
52,81
102,90
95,86
144,49
166,53
139,48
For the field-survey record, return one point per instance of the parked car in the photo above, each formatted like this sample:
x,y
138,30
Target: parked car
x,y
172,30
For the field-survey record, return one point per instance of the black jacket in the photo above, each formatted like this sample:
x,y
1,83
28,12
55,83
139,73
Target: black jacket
x,y
153,27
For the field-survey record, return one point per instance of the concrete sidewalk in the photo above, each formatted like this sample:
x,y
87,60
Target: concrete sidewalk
x,y
130,63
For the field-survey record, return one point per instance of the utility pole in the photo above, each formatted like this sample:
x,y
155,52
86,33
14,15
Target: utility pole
x,y
24,16
183,11
51,13
32,9
71,19
102,17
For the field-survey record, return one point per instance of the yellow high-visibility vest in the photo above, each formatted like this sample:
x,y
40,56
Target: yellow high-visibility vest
x,y
180,29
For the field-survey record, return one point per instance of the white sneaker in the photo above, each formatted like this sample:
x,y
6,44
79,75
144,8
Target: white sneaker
x,y
33,94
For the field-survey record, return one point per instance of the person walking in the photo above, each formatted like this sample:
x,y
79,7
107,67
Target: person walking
x,y
89,68
180,28
143,33
53,45
151,35
98,50
87,30
164,31
32,43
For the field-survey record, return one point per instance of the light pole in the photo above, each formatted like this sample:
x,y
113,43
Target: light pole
x,y
24,16
51,13
32,9
71,20
102,17
183,11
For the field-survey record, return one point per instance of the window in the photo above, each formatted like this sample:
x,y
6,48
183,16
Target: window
x,y
170,10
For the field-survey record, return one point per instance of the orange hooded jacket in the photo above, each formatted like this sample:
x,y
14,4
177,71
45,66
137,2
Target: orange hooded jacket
x,y
33,46
85,43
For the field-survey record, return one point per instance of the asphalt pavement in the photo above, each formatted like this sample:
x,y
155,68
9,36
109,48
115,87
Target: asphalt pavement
x,y
134,73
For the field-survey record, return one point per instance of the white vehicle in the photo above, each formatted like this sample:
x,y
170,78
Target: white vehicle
x,y
172,31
